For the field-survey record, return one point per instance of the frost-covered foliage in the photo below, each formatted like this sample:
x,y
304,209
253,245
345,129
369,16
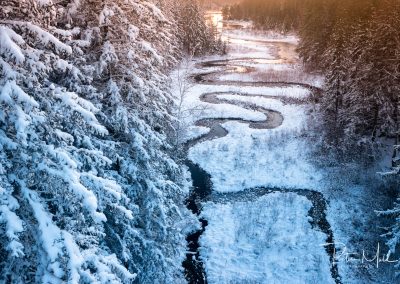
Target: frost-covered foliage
x,y
196,36
362,66
88,191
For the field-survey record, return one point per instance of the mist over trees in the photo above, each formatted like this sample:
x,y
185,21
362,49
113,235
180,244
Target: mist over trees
x,y
89,188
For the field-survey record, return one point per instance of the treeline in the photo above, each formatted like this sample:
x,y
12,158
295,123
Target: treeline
x,y
279,14
356,44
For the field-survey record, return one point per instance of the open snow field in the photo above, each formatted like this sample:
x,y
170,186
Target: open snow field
x,y
266,241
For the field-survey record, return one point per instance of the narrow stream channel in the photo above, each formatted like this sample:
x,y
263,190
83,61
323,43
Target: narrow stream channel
x,y
202,185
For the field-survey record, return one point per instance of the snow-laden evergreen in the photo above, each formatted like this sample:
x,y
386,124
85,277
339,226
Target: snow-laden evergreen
x,y
89,192
196,36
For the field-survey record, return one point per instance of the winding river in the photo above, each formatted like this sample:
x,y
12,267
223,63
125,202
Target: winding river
x,y
202,184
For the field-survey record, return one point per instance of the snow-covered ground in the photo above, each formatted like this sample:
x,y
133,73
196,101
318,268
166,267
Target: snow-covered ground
x,y
247,33
266,241
249,158
192,101
269,240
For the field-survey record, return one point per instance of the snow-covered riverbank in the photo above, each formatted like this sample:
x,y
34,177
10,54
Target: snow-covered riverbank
x,y
231,247
269,239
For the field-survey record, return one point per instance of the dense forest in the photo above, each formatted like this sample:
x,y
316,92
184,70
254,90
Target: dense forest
x,y
90,189
281,14
356,46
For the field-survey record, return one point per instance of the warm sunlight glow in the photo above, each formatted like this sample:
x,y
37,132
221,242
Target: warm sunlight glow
x,y
215,19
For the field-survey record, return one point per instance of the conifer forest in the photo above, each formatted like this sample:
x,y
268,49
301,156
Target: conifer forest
x,y
199,141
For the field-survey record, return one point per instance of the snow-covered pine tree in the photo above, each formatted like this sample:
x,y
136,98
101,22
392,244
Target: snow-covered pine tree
x,y
197,38
88,191
336,80
387,24
135,35
370,101
314,32
45,187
